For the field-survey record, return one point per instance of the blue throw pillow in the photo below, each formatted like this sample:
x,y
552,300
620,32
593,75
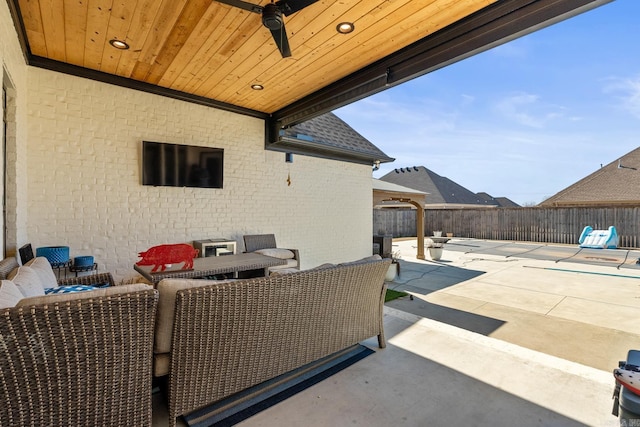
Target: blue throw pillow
x,y
68,289
99,285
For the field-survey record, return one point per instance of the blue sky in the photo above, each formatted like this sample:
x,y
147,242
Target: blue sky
x,y
525,119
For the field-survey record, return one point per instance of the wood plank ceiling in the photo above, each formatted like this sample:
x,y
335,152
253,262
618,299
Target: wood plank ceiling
x,y
212,51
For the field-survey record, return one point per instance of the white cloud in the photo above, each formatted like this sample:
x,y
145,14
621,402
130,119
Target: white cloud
x,y
629,90
527,110
379,118
467,100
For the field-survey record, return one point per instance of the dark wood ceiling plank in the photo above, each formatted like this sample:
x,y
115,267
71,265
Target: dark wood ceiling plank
x,y
168,13
75,24
98,14
194,48
52,14
236,80
232,36
254,38
255,68
264,56
32,22
120,20
208,59
140,26
184,27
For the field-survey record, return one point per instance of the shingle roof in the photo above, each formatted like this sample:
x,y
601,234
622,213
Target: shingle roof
x,y
328,130
501,202
613,184
505,202
441,190
486,198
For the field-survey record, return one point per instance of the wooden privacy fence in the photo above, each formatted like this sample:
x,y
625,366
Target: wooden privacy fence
x,y
547,225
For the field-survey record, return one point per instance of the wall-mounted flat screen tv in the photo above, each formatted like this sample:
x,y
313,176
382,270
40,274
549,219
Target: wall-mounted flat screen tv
x,y
176,165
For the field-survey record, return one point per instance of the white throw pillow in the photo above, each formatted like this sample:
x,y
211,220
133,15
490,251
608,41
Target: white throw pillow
x,y
276,253
9,294
45,272
27,280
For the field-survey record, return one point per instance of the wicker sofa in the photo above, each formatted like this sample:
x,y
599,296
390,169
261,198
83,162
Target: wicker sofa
x,y
78,358
215,339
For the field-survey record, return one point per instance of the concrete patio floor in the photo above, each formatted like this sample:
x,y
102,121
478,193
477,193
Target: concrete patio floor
x,y
582,308
488,340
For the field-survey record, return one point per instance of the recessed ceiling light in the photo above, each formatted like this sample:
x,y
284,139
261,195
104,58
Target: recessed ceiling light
x,y
256,86
118,44
345,27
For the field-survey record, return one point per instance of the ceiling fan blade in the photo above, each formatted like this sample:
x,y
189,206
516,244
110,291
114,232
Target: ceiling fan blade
x,y
281,39
292,6
255,8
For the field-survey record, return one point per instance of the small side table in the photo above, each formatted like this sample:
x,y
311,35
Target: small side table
x,y
60,268
215,247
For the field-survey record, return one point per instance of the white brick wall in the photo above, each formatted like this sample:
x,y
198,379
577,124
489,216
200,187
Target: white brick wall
x,y
13,74
84,186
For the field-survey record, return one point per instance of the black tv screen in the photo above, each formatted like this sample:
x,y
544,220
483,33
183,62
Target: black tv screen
x,y
176,165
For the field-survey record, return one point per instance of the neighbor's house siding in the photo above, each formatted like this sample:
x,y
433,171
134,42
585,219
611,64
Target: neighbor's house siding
x,y
84,145
76,161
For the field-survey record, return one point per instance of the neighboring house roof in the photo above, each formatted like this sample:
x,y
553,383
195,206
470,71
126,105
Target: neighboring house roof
x,y
501,202
442,191
328,133
505,202
617,183
486,198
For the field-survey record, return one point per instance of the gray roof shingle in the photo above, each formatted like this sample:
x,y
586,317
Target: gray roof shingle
x,y
441,190
330,131
505,202
613,184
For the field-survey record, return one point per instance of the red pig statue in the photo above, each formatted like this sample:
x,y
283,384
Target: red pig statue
x,y
160,256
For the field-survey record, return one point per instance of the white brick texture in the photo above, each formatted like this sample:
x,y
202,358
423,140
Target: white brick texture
x,y
13,74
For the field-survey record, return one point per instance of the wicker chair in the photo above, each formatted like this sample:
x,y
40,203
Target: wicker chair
x,y
78,359
264,327
255,242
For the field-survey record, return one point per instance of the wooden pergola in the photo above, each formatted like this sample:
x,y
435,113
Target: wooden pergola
x,y
386,194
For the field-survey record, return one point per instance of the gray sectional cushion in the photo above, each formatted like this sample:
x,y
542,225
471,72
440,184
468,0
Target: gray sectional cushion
x,y
10,295
27,280
276,253
45,272
167,289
